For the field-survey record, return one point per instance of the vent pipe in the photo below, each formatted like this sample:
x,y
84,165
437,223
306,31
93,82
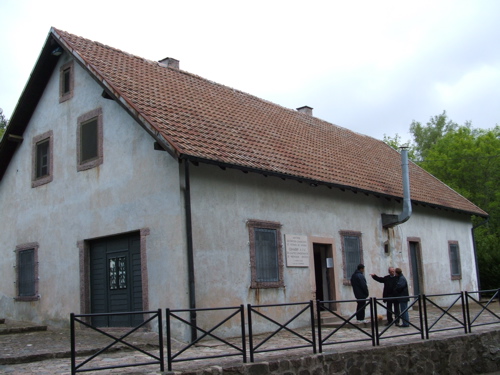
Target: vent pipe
x,y
389,221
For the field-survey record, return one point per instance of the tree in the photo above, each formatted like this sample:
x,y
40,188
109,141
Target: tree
x,y
396,143
468,160
3,123
427,136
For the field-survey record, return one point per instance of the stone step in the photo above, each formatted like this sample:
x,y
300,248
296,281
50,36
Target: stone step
x,y
11,326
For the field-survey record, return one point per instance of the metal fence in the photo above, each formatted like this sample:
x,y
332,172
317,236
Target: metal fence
x,y
83,318
257,346
234,350
302,322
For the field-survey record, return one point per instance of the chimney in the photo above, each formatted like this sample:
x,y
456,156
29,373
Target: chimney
x,y
170,63
306,110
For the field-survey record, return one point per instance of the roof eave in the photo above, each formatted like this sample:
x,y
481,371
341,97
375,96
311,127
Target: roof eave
x,y
316,183
27,103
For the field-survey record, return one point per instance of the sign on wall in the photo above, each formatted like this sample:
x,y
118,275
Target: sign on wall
x,y
297,253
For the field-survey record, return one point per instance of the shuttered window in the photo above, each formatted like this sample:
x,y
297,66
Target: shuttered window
x,y
352,252
455,267
66,82
27,272
89,140
266,257
42,159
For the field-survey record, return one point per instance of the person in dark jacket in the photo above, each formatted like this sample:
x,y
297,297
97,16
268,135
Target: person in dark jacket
x,y
389,282
402,293
360,289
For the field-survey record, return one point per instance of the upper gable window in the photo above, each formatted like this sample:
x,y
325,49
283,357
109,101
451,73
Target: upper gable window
x,y
352,253
455,267
42,159
66,78
266,256
89,140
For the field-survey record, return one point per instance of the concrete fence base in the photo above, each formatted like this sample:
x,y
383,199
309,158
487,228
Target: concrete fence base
x,y
475,353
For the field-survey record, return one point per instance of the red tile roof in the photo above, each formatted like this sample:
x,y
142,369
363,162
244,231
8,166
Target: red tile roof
x,y
208,121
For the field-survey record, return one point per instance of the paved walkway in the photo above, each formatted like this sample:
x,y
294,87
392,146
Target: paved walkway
x,y
48,352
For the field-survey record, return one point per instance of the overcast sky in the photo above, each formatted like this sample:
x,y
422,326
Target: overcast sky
x,y
370,66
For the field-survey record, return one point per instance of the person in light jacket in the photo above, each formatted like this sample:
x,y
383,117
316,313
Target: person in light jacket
x,y
360,289
402,293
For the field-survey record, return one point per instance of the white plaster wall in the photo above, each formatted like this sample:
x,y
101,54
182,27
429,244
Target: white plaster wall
x,y
136,187
222,202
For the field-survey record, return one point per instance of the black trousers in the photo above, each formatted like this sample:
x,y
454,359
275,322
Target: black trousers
x,y
392,307
360,310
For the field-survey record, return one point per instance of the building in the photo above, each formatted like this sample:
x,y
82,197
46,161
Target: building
x,y
128,184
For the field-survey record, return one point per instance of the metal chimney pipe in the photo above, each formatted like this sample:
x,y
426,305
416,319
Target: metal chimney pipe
x,y
389,221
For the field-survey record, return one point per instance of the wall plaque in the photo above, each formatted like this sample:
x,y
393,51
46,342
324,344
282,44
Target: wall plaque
x,y
297,251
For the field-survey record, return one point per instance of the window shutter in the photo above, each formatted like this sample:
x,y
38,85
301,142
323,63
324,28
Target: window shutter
x,y
26,273
266,255
352,254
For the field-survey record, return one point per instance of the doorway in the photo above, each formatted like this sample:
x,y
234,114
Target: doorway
x,y
416,269
324,273
115,280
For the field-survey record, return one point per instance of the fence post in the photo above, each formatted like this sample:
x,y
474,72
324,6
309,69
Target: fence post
x,y
243,340
426,321
468,311
73,344
169,341
374,315
160,341
311,310
420,316
250,334
318,322
463,311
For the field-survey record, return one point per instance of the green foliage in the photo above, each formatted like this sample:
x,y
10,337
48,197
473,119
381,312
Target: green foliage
x,y
396,143
468,160
3,123
425,137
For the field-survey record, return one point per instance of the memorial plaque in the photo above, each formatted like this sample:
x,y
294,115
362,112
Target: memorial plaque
x,y
297,252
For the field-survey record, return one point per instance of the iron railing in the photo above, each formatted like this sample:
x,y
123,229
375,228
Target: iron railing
x,y
209,332
259,347
481,318
455,316
441,323
415,301
157,359
322,307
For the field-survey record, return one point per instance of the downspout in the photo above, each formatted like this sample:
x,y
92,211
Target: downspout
x,y
475,252
190,256
389,220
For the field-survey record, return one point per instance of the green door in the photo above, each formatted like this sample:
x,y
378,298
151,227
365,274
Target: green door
x,y
115,280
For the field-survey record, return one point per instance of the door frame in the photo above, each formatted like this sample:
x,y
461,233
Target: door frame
x,y
334,280
419,265
84,253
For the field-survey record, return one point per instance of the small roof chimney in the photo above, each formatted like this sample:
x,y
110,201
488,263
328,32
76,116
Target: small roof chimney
x,y
306,109
170,63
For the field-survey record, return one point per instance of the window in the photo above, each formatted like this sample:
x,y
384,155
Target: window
x,y
42,159
352,253
89,140
456,269
266,254
66,82
27,272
